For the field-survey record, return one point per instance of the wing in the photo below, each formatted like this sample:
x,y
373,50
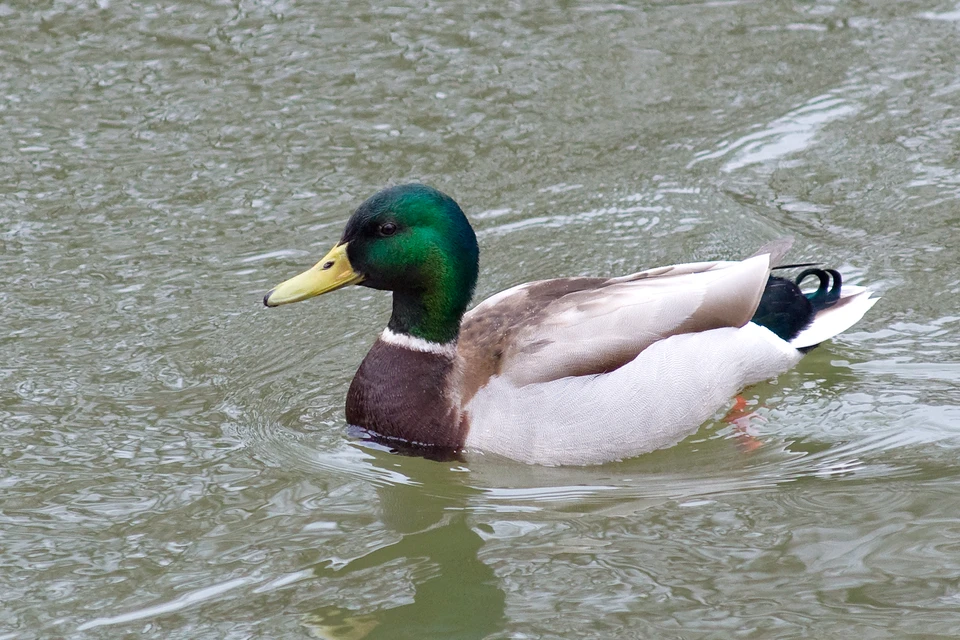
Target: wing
x,y
547,330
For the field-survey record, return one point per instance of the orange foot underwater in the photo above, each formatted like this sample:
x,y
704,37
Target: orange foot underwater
x,y
739,416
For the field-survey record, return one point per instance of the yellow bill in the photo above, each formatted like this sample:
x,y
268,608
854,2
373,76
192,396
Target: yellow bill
x,y
331,273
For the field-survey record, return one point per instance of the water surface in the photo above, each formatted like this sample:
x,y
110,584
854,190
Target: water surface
x,y
173,458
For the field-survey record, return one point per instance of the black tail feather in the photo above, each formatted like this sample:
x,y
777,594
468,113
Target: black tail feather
x,y
786,310
783,308
826,294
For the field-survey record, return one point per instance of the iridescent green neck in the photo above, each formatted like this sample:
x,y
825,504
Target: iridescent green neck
x,y
434,312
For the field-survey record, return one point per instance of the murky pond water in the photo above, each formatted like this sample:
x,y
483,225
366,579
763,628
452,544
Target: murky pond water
x,y
173,458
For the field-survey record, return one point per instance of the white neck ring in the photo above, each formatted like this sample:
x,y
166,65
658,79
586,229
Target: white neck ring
x,y
412,343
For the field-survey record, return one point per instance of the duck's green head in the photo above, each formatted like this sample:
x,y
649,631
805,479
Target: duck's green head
x,y
412,240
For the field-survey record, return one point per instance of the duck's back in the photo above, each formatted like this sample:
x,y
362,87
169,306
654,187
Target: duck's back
x,y
551,329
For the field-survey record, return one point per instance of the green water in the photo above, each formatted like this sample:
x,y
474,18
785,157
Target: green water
x,y
173,457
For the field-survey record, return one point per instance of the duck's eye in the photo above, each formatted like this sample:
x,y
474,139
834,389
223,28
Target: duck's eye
x,y
387,229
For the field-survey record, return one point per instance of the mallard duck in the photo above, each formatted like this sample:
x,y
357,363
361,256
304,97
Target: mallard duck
x,y
573,371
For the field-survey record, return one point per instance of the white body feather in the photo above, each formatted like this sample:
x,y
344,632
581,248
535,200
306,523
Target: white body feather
x,y
656,400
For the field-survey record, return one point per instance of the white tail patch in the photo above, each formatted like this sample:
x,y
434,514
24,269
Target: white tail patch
x,y
854,302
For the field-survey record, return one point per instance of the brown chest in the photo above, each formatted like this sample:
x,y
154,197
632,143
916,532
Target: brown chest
x,y
403,394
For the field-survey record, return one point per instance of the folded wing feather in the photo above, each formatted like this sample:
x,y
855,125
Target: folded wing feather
x,y
548,330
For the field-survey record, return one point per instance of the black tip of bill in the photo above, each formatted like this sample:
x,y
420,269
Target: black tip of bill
x,y
266,299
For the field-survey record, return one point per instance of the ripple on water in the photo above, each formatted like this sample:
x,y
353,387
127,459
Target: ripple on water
x,y
173,462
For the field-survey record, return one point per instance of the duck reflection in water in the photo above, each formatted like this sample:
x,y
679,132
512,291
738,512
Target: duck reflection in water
x,y
457,596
